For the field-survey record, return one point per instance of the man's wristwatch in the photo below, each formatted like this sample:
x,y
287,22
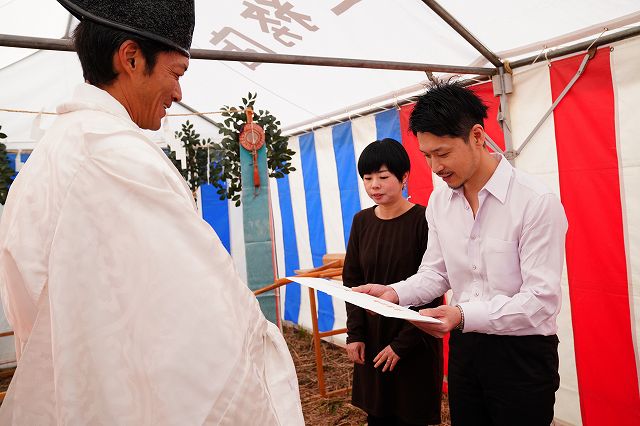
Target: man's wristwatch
x,y
460,325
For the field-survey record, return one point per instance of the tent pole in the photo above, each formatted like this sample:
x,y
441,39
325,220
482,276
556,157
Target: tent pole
x,y
465,33
579,47
360,109
569,85
492,144
272,58
67,33
339,116
221,55
503,118
9,40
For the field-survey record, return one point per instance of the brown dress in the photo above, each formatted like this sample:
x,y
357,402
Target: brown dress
x,y
384,252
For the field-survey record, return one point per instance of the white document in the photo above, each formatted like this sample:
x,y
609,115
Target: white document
x,y
365,301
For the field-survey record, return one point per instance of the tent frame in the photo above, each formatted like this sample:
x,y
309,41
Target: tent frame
x,y
365,108
66,45
502,69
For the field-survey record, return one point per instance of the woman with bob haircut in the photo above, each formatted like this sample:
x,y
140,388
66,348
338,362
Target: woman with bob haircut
x,y
397,378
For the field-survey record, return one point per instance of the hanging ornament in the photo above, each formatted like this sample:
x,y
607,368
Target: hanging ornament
x,y
252,139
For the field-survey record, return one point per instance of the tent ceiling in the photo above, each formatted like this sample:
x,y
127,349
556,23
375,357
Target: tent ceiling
x,y
402,30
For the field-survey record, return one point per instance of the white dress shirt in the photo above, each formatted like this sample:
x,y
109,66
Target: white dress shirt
x,y
504,265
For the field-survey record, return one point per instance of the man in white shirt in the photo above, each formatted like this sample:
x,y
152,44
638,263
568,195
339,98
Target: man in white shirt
x,y
496,239
126,308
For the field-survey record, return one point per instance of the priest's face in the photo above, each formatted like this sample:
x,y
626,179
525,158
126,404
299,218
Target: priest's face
x,y
157,90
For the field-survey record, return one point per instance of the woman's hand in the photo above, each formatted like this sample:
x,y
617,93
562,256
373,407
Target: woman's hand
x,y
387,357
355,352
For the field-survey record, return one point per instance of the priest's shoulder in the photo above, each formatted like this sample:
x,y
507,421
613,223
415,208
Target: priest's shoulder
x,y
102,132
127,153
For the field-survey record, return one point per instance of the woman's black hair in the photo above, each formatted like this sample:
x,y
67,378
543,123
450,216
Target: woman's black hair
x,y
387,152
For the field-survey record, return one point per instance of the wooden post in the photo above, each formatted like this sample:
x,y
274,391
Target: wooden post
x,y
316,342
331,269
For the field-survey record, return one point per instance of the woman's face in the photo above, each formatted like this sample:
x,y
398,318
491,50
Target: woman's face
x,y
383,187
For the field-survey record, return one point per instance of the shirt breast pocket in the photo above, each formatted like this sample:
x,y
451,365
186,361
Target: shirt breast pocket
x,y
503,265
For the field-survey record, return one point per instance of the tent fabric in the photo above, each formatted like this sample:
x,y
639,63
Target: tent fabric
x,y
595,241
216,213
588,390
365,29
586,153
598,347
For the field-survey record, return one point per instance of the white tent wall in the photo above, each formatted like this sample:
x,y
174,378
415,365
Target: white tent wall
x,y
625,65
530,100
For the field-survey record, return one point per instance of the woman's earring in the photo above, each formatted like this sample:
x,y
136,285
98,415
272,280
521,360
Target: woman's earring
x,y
404,184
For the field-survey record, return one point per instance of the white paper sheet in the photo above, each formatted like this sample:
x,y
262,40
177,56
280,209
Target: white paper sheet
x,y
365,301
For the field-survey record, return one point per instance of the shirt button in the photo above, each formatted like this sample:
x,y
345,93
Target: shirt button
x,y
477,293
466,207
473,267
473,237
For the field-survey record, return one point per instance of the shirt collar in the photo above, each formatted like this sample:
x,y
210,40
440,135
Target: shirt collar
x,y
88,97
498,183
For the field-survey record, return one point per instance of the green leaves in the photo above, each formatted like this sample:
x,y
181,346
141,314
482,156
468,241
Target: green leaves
x,y
228,179
223,158
198,155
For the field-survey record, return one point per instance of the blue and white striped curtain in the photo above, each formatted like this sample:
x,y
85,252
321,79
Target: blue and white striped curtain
x,y
313,207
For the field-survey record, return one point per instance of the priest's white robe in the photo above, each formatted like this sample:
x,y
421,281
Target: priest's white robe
x,y
126,307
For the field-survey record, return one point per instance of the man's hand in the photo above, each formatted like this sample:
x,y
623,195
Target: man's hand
x,y
381,291
386,357
355,352
449,315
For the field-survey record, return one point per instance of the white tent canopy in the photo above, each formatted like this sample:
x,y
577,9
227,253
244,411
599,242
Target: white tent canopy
x,y
403,30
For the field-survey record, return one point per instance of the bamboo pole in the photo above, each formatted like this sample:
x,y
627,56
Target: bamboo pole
x,y
330,269
325,273
316,343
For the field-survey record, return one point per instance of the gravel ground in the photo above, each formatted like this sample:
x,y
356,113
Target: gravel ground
x,y
336,410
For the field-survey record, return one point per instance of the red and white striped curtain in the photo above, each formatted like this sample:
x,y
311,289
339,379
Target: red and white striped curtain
x,y
588,151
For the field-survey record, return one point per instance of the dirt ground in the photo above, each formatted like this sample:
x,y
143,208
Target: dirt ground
x,y
5,378
335,410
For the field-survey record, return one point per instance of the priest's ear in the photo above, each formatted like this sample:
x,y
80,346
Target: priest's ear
x,y
128,59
